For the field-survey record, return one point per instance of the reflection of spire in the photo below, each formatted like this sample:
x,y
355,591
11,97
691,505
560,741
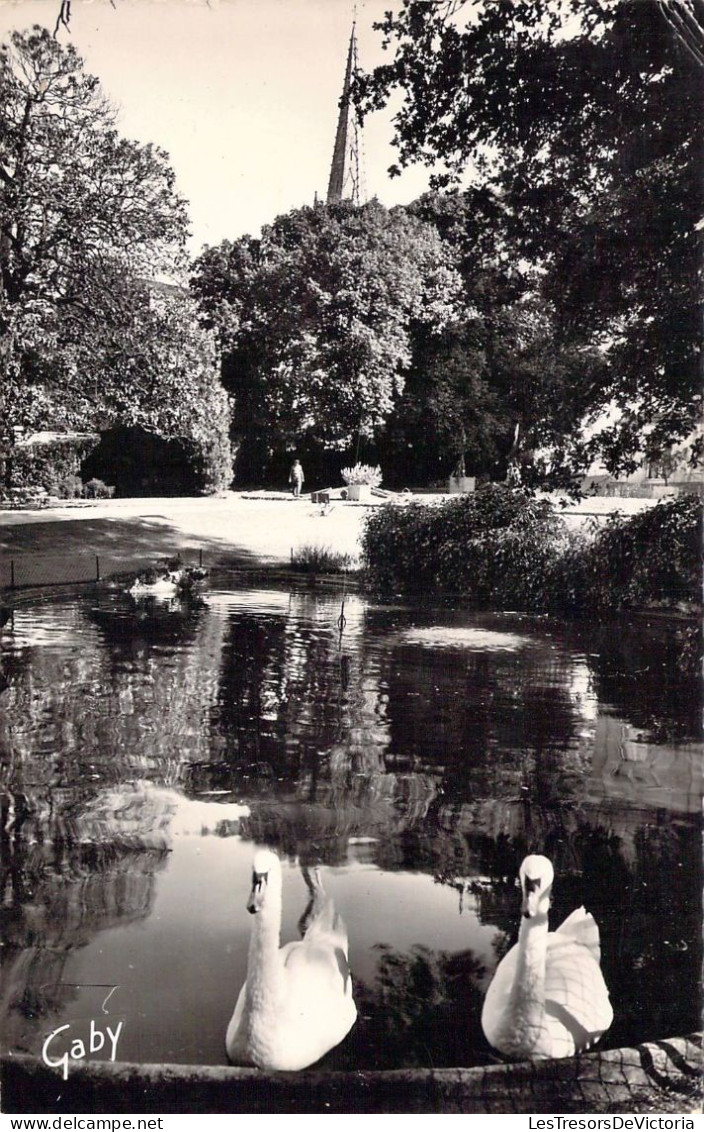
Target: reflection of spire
x,y
345,170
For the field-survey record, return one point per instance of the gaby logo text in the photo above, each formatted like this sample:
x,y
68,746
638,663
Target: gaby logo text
x,y
97,1040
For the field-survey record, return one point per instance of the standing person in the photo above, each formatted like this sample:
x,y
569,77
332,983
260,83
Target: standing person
x,y
296,477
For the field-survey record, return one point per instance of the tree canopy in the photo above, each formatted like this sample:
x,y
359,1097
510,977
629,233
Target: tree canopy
x,y
584,118
501,380
87,217
315,317
145,361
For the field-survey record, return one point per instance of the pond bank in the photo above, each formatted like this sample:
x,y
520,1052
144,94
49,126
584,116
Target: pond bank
x,y
655,1077
387,727
60,544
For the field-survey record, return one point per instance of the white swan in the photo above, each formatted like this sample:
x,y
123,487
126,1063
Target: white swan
x,y
548,997
167,580
164,587
296,1003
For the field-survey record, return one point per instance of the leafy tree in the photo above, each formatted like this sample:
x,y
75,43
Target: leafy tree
x,y
84,216
584,118
502,381
449,418
315,317
145,361
73,190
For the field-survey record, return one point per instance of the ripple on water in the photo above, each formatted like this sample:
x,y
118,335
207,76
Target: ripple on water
x,y
482,640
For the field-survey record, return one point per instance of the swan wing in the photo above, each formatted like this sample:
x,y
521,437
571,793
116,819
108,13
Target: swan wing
x,y
577,1005
317,963
234,1043
318,1009
581,926
325,925
496,1003
328,929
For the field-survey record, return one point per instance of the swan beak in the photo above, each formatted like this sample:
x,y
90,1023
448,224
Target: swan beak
x,y
256,896
531,897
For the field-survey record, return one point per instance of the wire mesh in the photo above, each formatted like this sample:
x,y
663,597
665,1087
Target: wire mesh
x,y
25,571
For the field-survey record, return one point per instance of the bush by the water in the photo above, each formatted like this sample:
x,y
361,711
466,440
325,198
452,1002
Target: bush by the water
x,y
497,545
503,548
648,560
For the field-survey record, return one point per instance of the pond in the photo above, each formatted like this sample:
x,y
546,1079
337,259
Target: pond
x,y
414,752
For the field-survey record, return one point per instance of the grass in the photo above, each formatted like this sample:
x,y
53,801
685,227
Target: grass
x,y
322,560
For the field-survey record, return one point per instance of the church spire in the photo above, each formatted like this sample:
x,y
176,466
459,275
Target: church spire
x,y
344,171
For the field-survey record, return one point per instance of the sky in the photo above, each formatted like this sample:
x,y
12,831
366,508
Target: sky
x,y
242,94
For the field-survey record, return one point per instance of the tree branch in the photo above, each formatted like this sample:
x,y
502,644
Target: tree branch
x,y
64,17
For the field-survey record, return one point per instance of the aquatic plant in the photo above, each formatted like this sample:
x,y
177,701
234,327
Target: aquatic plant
x,y
322,560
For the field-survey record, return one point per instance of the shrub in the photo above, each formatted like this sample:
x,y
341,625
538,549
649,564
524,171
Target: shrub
x,y
362,473
68,487
96,489
497,546
648,559
211,452
46,463
503,548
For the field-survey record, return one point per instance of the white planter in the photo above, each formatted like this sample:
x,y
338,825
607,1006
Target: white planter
x,y
361,492
458,485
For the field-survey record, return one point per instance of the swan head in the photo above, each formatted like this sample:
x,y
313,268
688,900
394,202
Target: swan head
x,y
536,876
266,868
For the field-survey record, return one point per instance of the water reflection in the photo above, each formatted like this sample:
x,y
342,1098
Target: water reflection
x,y
126,621
417,757
423,1001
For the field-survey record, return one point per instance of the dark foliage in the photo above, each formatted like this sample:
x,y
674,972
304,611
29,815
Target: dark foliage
x,y
585,142
495,546
648,560
314,322
141,463
501,547
86,219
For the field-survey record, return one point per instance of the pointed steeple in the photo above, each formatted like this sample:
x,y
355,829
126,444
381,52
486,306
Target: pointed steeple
x,y
344,171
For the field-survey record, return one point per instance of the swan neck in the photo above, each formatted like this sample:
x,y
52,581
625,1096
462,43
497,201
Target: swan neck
x,y
529,985
264,965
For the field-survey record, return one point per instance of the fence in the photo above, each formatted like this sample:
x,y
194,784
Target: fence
x,y
23,571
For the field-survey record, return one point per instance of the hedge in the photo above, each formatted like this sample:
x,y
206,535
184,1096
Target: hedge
x,y
49,464
503,548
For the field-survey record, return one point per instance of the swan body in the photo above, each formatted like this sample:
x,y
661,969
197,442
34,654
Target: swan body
x,y
548,997
167,580
164,587
296,1003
